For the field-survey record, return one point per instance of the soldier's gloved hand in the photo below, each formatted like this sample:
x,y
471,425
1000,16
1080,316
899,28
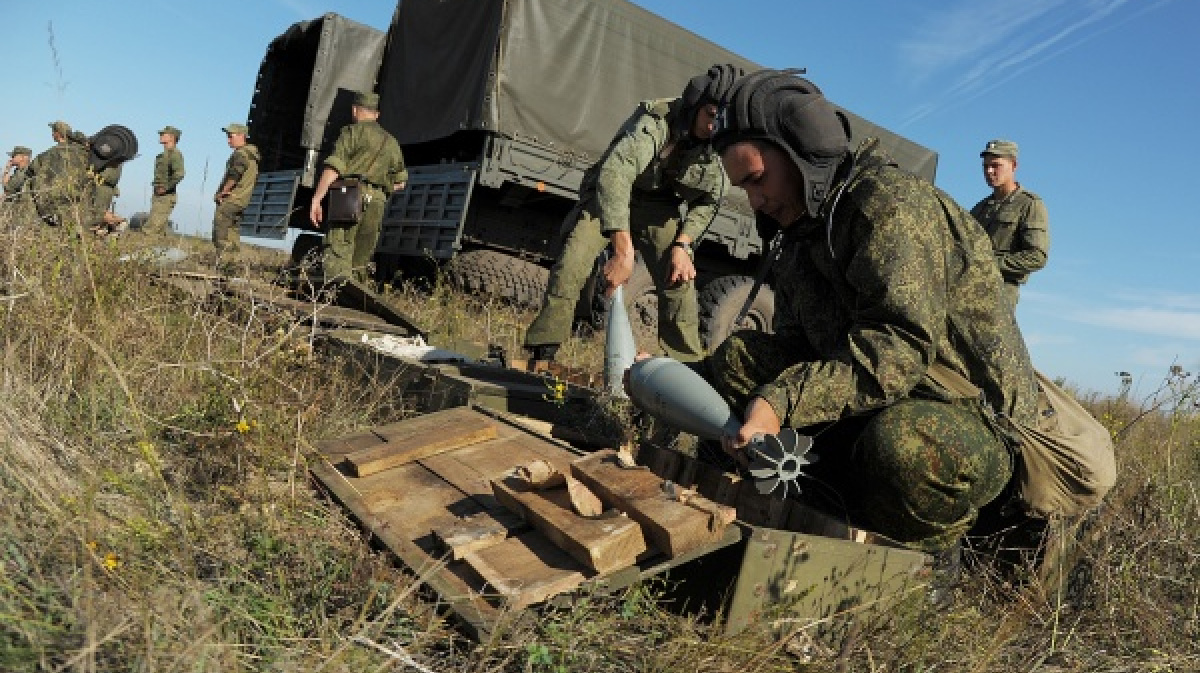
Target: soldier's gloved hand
x,y
618,270
680,269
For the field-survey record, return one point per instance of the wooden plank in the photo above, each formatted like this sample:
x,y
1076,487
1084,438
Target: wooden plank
x,y
473,533
606,543
718,485
340,446
670,526
420,437
762,510
527,569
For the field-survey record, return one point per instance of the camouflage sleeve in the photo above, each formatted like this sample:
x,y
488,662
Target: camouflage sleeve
x,y
894,263
16,181
110,176
700,211
1031,245
174,170
343,149
398,172
239,165
625,161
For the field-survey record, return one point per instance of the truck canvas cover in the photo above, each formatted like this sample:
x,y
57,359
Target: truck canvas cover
x,y
562,73
315,67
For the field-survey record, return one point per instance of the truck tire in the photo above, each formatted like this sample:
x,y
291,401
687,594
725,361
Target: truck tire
x,y
641,302
720,301
494,274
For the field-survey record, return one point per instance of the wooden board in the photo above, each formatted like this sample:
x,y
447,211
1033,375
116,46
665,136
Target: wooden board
x,y
473,533
670,526
419,438
606,543
527,569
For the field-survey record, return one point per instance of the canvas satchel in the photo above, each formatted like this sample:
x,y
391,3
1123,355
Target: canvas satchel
x,y
1066,464
345,201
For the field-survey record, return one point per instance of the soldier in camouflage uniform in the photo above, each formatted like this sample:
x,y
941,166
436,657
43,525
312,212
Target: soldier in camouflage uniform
x,y
1014,217
233,194
17,197
881,275
659,161
367,151
62,185
168,173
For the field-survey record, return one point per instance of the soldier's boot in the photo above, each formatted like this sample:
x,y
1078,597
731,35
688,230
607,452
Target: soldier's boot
x,y
543,352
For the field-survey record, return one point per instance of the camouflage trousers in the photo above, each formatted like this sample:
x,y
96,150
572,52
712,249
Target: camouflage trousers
x,y
917,471
227,220
654,225
349,246
161,207
1012,294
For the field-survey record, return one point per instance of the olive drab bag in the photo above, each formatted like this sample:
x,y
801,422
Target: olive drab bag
x,y
1066,463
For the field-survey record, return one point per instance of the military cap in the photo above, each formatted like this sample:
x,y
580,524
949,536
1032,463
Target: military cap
x,y
1000,148
236,128
367,99
172,130
60,127
19,150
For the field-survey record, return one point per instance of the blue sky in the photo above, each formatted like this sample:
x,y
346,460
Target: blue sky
x,y
1103,97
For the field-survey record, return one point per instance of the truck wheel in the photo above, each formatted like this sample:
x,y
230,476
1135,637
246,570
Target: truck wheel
x,y
641,301
306,250
495,274
720,302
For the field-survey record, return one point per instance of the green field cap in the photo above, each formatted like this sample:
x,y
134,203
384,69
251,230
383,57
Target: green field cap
x,y
1000,148
236,128
172,130
367,100
19,150
60,127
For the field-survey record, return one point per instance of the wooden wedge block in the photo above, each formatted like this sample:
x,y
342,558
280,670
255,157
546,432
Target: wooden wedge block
x,y
606,543
473,533
670,526
421,437
527,569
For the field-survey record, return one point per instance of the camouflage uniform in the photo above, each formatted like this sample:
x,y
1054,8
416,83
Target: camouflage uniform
x,y
867,297
242,169
366,150
634,188
106,187
62,185
168,172
18,199
1019,229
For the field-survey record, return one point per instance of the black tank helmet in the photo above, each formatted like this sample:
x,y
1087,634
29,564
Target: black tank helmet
x,y
712,87
790,112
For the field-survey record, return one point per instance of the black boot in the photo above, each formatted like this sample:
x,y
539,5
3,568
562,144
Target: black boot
x,y
543,352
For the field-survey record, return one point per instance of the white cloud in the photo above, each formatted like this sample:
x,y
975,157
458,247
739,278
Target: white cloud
x,y
1143,320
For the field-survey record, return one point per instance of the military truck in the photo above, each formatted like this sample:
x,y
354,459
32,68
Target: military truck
x,y
501,105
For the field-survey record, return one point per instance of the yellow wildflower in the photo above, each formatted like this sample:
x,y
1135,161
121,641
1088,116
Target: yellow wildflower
x,y
242,426
111,561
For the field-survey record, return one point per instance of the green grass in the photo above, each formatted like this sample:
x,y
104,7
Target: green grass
x,y
157,514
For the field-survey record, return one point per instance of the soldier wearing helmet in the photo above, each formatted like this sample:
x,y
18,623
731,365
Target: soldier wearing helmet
x,y
630,199
880,277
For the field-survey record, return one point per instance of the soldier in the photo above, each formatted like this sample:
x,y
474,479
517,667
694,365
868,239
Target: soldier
x,y
63,189
168,172
233,194
659,161
16,187
884,293
1014,217
364,150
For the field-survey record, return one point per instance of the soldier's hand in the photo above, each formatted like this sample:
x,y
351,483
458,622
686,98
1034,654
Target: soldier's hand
x,y
680,269
618,270
159,191
315,213
760,420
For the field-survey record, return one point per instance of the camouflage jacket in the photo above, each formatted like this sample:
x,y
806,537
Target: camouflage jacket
x,y
60,174
1020,232
168,169
15,187
366,150
242,169
645,160
891,276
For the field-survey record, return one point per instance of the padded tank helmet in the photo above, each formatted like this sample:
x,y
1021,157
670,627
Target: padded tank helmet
x,y
712,87
791,113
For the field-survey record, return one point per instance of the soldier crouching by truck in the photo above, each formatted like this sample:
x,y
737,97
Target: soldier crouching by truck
x,y
631,197
364,150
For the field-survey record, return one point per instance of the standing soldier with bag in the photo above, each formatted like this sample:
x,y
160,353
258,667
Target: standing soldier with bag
x,y
168,172
62,185
233,195
365,152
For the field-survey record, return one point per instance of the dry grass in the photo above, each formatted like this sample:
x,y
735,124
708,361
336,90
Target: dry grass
x,y
157,515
